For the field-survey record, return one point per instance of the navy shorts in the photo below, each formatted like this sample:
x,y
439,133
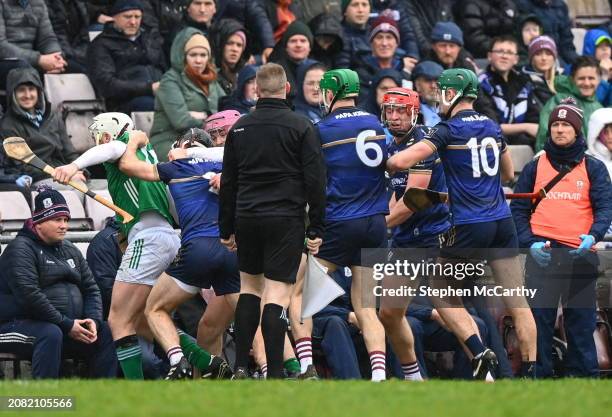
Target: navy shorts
x,y
488,240
343,240
204,262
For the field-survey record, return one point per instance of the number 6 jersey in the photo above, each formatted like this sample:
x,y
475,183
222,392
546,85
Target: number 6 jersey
x,y
470,147
355,153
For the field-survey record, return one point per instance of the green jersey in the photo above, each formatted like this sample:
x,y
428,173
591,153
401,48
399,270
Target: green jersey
x,y
137,196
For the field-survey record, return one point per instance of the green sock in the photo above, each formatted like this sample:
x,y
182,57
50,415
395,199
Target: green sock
x,y
292,365
130,358
196,356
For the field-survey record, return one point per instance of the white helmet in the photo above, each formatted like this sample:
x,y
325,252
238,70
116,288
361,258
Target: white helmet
x,y
112,123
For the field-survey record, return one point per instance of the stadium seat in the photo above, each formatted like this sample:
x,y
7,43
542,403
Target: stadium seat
x,y
74,97
589,13
143,120
14,210
96,211
82,247
78,218
578,39
521,155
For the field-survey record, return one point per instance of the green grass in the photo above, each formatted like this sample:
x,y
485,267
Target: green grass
x,y
592,398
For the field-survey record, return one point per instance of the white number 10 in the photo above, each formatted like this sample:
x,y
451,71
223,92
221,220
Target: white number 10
x,y
481,159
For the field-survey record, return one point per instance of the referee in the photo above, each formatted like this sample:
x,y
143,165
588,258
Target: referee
x,y
272,168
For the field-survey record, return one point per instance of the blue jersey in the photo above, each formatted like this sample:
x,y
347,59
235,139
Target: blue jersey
x,y
470,146
355,153
197,208
431,221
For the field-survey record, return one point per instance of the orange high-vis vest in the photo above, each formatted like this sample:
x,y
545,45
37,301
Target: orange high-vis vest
x,y
566,212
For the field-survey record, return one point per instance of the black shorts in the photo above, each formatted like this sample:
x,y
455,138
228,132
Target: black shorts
x,y
271,246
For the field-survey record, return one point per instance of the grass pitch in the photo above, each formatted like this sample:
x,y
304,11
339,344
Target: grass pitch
x,y
592,398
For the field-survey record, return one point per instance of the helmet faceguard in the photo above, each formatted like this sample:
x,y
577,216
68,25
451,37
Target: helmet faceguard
x,y
405,101
219,124
112,123
193,137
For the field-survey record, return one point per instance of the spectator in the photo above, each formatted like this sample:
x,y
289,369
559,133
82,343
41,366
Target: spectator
x,y
373,95
423,15
528,28
188,92
425,77
396,10
447,48
570,220
27,38
50,297
253,16
354,25
167,16
70,21
505,94
483,20
542,68
328,39
599,140
281,13
292,50
12,179
384,40
198,14
244,97
229,44
597,43
556,23
308,98
125,61
312,8
29,116
581,86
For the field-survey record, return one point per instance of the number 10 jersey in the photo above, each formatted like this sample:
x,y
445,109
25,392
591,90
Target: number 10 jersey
x,y
470,147
355,153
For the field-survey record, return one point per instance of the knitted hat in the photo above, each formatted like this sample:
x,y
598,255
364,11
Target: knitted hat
x,y
121,6
542,42
447,32
197,41
345,3
49,204
386,25
567,111
297,27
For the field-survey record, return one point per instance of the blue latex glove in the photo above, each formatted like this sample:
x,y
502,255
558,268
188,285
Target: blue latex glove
x,y
540,254
24,181
587,242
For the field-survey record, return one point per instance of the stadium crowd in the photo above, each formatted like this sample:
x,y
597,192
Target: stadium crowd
x,y
201,66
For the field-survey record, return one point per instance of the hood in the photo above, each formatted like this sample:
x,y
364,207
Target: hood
x,y
223,29
302,69
598,120
565,85
327,24
177,51
590,38
20,76
370,104
247,73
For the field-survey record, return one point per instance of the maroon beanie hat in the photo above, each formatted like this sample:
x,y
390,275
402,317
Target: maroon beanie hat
x,y
384,24
568,112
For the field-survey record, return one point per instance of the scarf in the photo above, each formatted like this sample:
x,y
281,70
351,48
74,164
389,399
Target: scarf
x,y
570,155
201,80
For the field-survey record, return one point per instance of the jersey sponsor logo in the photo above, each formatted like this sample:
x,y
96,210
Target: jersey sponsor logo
x,y
351,114
474,118
240,129
563,195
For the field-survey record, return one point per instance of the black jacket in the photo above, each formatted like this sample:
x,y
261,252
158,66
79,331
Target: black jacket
x,y
482,20
272,167
121,69
49,283
49,141
70,23
423,15
327,24
252,15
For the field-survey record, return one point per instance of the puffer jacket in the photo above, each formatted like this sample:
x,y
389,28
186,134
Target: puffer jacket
x,y
49,283
122,69
423,15
252,15
598,121
26,32
49,141
397,10
177,96
482,20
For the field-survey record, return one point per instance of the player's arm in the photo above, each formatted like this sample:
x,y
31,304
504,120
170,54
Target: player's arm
x,y
131,166
107,152
399,213
409,157
507,167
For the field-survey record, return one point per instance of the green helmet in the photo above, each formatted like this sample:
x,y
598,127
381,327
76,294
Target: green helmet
x,y
344,83
462,80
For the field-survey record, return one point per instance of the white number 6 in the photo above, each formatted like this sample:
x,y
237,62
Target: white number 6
x,y
362,146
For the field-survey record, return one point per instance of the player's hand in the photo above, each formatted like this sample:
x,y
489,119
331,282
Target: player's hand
x,y
138,138
79,176
587,242
540,253
81,333
230,243
65,173
177,153
313,245
215,182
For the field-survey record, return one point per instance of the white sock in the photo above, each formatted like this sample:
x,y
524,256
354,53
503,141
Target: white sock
x,y
303,348
378,363
264,370
411,372
174,355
